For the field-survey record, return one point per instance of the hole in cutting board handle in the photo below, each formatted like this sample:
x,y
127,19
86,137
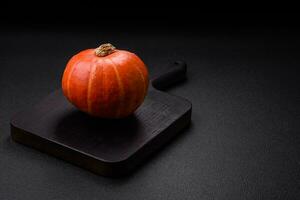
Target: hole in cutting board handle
x,y
176,72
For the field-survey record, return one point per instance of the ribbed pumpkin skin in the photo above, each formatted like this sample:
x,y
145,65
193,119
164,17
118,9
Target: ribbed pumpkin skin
x,y
113,86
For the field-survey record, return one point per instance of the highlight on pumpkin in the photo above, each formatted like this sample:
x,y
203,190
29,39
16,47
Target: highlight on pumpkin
x,y
111,86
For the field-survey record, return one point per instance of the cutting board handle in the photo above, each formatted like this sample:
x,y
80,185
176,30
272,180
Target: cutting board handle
x,y
175,73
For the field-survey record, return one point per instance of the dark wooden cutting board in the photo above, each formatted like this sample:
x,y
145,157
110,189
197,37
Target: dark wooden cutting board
x,y
106,147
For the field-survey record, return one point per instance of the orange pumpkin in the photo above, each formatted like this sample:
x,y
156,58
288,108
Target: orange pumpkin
x,y
105,82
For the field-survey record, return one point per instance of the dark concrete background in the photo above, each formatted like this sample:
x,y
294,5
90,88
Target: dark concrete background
x,y
244,139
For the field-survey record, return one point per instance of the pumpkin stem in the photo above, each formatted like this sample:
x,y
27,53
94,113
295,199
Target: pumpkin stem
x,y
105,49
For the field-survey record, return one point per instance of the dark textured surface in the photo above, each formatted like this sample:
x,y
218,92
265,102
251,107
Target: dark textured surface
x,y
243,142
